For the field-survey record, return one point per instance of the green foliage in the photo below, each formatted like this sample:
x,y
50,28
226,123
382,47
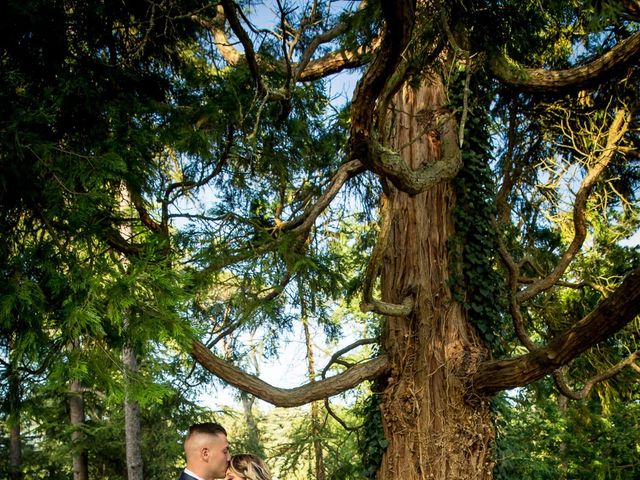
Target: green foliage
x,y
363,25
541,32
473,249
290,446
537,438
166,414
373,442
99,96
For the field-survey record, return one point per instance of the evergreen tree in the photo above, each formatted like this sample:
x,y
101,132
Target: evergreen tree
x,y
473,193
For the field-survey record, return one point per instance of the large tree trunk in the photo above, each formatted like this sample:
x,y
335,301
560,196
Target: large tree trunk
x,y
432,430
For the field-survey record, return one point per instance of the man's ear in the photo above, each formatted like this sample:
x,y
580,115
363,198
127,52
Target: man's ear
x,y
204,453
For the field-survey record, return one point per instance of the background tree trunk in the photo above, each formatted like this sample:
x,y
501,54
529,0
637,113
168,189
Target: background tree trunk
x,y
253,433
433,433
132,419
316,424
15,456
13,422
133,436
76,415
562,448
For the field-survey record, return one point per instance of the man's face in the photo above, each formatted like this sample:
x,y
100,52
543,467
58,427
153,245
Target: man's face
x,y
217,456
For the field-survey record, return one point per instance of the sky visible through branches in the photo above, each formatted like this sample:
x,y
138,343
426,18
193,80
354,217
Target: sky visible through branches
x,y
289,369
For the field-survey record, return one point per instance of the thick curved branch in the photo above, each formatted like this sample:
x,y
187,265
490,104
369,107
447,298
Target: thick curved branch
x,y
399,19
373,267
338,61
327,36
390,309
231,54
620,308
390,164
616,132
589,384
514,306
291,397
622,55
381,80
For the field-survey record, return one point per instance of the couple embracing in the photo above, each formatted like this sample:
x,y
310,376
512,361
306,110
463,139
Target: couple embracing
x,y
207,452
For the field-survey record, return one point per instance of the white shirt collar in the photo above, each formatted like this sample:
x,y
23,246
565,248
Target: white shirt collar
x,y
189,472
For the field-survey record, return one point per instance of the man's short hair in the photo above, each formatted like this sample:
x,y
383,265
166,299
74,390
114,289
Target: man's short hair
x,y
210,428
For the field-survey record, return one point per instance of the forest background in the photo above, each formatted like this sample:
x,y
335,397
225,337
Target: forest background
x,y
186,189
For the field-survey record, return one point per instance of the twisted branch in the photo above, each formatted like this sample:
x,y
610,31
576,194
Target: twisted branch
x,y
612,314
622,55
617,130
589,384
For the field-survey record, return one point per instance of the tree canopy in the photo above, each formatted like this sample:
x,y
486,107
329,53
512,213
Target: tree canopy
x,y
178,176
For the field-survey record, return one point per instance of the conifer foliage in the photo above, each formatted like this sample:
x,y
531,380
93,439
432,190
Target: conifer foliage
x,y
183,181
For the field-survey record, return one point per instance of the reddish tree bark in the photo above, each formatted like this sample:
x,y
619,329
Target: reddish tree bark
x,y
433,432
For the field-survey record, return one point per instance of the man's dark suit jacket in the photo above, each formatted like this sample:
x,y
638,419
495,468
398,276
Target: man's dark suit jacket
x,y
184,476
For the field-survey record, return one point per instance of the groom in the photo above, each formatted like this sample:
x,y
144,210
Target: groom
x,y
207,452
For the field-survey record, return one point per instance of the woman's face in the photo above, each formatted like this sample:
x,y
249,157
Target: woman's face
x,y
231,475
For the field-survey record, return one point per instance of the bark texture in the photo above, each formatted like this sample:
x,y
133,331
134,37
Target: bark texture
x,y
433,432
252,428
316,424
15,456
